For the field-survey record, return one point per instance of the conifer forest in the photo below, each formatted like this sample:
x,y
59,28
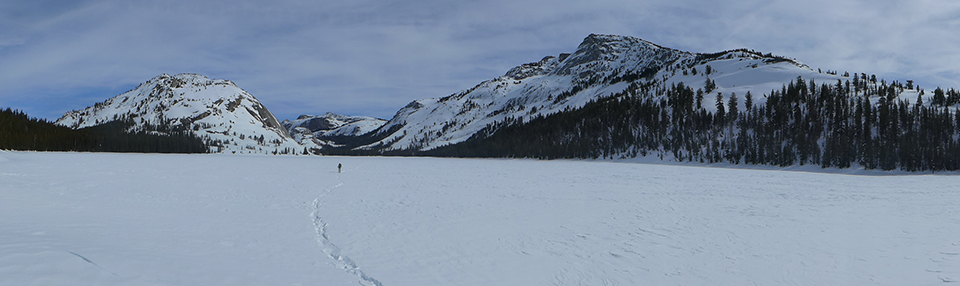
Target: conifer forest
x,y
839,124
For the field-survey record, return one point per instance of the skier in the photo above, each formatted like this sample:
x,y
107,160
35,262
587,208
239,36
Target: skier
x,y
339,167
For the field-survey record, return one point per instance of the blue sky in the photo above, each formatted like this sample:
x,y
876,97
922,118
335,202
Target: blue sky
x,y
371,57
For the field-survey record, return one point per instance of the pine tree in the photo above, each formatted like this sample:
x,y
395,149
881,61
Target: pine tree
x,y
938,97
733,110
721,114
699,99
709,85
919,100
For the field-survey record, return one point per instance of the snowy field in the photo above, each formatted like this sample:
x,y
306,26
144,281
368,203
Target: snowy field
x,y
136,219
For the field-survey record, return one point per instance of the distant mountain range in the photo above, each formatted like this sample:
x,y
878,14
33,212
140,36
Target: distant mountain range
x,y
617,76
309,129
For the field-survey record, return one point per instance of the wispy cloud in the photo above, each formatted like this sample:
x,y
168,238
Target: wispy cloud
x,y
372,57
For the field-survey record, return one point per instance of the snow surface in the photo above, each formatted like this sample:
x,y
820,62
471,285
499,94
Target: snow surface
x,y
147,219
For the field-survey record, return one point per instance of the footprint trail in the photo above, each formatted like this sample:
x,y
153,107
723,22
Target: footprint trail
x,y
332,250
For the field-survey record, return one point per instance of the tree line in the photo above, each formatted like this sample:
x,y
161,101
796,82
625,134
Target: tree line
x,y
18,131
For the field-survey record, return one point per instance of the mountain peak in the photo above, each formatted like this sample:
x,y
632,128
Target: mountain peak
x,y
599,53
596,50
601,39
603,44
181,76
187,79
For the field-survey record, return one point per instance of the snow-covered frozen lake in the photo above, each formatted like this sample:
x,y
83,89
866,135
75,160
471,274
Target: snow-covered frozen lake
x,y
144,219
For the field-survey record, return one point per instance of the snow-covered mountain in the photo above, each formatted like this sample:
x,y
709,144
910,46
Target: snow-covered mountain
x,y
214,109
309,129
601,66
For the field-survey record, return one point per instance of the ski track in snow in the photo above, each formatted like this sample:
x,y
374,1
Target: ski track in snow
x,y
91,262
332,250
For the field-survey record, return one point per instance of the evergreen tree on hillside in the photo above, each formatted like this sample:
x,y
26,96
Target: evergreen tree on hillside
x,y
709,85
699,99
938,97
20,132
734,110
721,113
